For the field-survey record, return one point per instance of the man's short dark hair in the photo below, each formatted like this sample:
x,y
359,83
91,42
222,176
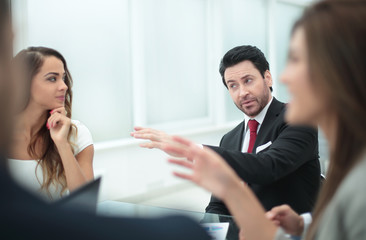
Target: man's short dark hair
x,y
244,53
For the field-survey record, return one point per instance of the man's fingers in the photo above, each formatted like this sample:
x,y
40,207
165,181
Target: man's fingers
x,y
190,148
279,210
145,145
150,145
147,130
277,223
146,136
182,141
180,162
183,175
270,215
176,149
138,128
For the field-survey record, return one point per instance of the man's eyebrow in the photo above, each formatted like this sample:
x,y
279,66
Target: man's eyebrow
x,y
242,78
228,81
246,76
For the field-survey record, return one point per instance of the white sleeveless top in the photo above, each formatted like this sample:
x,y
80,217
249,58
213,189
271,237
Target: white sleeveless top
x,y
24,171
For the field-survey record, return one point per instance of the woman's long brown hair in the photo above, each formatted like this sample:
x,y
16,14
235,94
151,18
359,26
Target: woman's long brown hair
x,y
41,146
335,33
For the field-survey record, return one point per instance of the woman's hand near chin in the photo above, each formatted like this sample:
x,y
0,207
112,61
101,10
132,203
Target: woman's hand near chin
x,y
59,124
79,168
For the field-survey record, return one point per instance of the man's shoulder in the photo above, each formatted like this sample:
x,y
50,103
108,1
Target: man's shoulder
x,y
277,108
235,130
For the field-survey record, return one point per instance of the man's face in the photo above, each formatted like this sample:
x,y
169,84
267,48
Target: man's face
x,y
248,89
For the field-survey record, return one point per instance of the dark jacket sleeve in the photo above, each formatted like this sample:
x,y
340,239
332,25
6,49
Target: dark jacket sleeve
x,y
293,147
217,206
286,172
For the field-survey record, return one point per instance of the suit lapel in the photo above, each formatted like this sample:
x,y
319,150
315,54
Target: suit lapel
x,y
234,139
239,137
273,112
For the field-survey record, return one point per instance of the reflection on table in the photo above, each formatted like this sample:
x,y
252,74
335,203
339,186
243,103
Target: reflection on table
x,y
122,209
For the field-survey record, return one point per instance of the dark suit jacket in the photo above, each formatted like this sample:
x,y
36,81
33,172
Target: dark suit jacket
x,y
23,216
286,172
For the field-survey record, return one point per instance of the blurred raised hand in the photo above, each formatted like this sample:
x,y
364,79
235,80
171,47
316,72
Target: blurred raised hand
x,y
156,139
209,170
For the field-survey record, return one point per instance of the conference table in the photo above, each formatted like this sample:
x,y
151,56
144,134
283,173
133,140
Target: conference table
x,y
123,209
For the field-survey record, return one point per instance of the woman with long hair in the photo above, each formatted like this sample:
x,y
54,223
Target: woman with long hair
x,y
50,153
326,76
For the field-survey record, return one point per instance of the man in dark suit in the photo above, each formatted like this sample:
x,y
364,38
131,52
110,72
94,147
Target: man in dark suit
x,y
24,216
279,162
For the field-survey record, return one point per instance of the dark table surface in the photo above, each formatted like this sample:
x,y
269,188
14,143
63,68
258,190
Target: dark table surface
x,y
122,209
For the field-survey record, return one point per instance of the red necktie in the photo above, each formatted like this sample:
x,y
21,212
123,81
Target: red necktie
x,y
253,126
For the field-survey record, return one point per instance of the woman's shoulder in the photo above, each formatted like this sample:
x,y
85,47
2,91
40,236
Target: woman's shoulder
x,y
77,123
80,127
81,138
351,193
345,215
351,200
356,179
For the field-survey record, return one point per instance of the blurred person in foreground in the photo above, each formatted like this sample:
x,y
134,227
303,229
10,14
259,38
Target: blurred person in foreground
x,y
326,76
